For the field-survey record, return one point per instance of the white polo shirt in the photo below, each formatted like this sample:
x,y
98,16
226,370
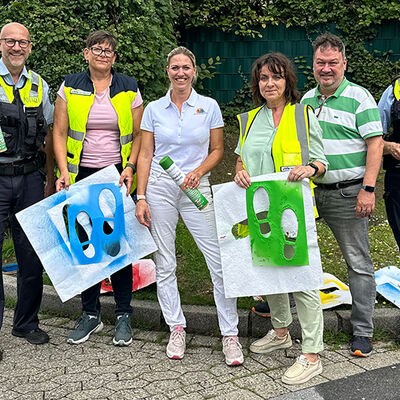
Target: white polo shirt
x,y
184,136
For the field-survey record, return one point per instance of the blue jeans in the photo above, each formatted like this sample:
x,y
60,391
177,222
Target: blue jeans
x,y
337,208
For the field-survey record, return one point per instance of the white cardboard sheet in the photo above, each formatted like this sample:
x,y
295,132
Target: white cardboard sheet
x,y
44,225
241,277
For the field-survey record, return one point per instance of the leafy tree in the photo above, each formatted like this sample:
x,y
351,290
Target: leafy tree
x,y
356,20
144,29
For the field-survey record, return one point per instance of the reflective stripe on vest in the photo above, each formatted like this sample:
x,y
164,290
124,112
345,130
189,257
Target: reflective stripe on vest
x,y
291,143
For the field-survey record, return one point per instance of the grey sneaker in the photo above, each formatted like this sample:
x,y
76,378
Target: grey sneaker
x,y
271,342
84,327
123,330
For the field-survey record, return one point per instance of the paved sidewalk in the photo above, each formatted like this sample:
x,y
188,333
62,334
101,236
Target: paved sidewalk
x,y
201,320
99,370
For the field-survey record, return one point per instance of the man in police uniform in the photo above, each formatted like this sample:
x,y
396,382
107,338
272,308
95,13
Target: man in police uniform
x,y
345,195
389,108
25,112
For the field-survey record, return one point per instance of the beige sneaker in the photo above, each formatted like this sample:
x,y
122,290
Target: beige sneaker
x,y
271,342
302,371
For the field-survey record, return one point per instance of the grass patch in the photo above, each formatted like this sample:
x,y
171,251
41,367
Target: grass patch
x,y
194,281
380,335
334,338
8,254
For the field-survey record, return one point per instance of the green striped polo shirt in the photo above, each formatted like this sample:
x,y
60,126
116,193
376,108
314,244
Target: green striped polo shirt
x,y
347,118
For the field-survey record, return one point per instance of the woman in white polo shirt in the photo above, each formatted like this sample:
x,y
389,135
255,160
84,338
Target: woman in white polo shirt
x,y
188,128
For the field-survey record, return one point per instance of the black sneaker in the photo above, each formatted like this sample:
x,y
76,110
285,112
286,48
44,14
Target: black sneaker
x,y
37,336
262,309
123,330
360,346
84,327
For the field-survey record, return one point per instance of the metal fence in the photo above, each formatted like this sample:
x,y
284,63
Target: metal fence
x,y
238,53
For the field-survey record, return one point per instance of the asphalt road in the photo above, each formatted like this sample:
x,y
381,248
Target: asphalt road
x,y
378,384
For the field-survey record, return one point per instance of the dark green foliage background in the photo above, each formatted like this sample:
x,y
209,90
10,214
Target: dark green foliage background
x,y
59,29
356,21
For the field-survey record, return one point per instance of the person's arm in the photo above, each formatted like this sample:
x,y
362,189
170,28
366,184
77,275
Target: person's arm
x,y
60,134
192,179
48,111
391,148
127,173
385,105
300,172
143,169
49,188
366,200
242,177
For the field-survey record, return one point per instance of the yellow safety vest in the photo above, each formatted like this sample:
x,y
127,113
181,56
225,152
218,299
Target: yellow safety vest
x,y
26,137
291,143
79,92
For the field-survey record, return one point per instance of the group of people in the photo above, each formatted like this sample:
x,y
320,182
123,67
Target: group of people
x,y
332,136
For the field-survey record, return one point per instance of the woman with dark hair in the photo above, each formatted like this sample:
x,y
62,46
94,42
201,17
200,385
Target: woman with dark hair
x,y
281,135
96,118
187,127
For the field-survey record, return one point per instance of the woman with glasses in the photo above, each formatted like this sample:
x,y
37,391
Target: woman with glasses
x,y
188,128
97,116
280,135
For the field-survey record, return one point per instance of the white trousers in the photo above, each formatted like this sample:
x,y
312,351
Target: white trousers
x,y
166,201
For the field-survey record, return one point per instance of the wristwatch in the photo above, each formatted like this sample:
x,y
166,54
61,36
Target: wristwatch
x,y
312,165
367,188
140,197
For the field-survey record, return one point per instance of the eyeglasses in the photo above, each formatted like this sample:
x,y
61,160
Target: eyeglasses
x,y
97,51
321,100
23,43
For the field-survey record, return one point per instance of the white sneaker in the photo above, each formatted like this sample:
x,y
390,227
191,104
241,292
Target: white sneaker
x,y
232,349
176,345
271,342
302,371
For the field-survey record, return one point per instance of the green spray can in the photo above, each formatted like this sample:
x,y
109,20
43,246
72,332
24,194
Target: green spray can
x,y
178,177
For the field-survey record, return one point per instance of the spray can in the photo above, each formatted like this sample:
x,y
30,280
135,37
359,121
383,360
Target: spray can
x,y
3,146
178,176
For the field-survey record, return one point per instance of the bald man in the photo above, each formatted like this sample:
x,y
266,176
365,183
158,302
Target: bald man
x,y
25,113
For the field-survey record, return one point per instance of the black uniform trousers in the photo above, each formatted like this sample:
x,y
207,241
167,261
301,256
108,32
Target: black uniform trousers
x,y
392,201
16,193
121,280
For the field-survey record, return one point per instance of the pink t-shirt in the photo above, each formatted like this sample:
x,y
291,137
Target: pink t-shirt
x,y
101,146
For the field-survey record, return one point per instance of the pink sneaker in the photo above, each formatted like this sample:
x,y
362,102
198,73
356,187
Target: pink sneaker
x,y
232,349
176,345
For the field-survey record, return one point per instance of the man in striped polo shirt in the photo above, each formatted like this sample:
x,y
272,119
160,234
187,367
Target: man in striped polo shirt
x,y
345,195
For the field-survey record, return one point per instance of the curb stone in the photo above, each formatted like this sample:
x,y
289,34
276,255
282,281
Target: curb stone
x,y
200,319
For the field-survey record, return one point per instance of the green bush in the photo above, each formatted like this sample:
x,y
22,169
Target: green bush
x,y
144,29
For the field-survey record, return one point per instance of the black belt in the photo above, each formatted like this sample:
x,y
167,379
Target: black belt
x,y
339,185
22,168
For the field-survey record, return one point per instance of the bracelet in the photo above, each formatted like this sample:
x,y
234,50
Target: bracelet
x,y
130,165
140,197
